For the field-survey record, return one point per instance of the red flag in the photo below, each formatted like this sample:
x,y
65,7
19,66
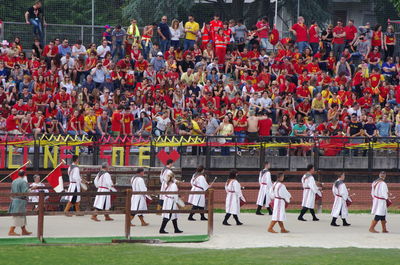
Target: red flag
x,y
274,37
14,175
55,179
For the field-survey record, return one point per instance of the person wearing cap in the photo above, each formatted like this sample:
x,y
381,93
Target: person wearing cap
x,y
107,35
103,183
139,201
18,204
158,62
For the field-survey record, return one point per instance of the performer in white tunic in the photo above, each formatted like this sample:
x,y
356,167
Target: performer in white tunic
x,y
170,203
341,195
280,196
199,183
165,172
36,187
310,188
74,186
233,197
380,195
139,201
265,182
103,183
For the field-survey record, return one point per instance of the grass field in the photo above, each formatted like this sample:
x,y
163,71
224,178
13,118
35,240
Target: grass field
x,y
143,254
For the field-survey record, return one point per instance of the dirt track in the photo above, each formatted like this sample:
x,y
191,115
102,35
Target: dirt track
x,y
252,234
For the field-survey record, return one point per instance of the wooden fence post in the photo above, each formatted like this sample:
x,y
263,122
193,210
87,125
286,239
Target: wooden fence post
x,y
40,216
210,207
128,213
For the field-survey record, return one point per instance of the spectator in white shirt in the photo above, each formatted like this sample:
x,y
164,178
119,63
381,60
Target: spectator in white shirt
x,y
99,74
79,49
103,49
68,60
163,123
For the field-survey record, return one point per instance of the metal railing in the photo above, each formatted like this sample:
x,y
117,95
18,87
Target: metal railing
x,y
126,196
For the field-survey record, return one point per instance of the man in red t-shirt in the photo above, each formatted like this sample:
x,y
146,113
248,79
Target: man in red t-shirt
x,y
339,36
12,122
262,32
313,33
300,31
264,125
351,33
127,118
116,121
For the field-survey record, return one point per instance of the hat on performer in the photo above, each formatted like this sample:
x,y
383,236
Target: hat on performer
x,y
139,170
104,165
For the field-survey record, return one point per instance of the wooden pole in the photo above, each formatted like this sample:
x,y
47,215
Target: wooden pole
x,y
128,213
28,162
40,216
210,207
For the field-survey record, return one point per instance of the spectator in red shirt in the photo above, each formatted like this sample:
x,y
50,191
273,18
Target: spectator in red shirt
x,y
49,52
262,32
116,121
313,32
351,33
12,122
75,124
339,36
300,31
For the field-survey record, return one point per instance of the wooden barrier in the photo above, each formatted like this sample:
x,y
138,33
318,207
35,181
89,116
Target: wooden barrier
x,y
127,207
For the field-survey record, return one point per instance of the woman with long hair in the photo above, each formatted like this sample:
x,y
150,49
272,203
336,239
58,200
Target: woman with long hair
x,y
176,30
199,183
233,197
170,203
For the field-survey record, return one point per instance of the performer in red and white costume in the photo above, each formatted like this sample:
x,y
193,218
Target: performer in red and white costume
x,y
309,190
220,46
341,195
265,182
280,196
199,183
233,197
380,195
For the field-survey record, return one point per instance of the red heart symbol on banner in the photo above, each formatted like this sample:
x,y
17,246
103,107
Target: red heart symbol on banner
x,y
164,156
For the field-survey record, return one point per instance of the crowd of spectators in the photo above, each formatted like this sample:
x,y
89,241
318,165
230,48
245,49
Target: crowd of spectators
x,y
219,79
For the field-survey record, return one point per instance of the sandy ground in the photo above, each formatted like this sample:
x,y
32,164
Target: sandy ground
x,y
252,234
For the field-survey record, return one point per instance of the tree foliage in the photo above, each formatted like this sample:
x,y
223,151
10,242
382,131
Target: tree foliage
x,y
396,4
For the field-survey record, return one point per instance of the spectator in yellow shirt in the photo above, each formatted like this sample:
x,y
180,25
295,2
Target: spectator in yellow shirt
x,y
318,107
191,30
90,123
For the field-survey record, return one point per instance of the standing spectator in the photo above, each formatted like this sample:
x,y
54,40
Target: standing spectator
x,y
118,38
133,36
164,33
191,30
107,35
147,45
384,127
215,24
351,33
176,30
339,36
299,30
313,32
64,48
377,37
103,49
262,32
220,46
240,34
34,16
389,42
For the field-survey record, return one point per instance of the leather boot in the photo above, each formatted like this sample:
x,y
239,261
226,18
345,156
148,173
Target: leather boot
x,y
333,223
225,222
132,216
345,223
303,211
372,227
25,232
78,209
67,208
163,225
108,218
258,212
283,230
142,221
237,220
203,217
271,227
12,232
94,218
313,215
175,223
269,210
384,230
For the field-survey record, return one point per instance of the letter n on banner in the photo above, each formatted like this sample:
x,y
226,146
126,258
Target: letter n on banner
x,y
49,156
116,150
